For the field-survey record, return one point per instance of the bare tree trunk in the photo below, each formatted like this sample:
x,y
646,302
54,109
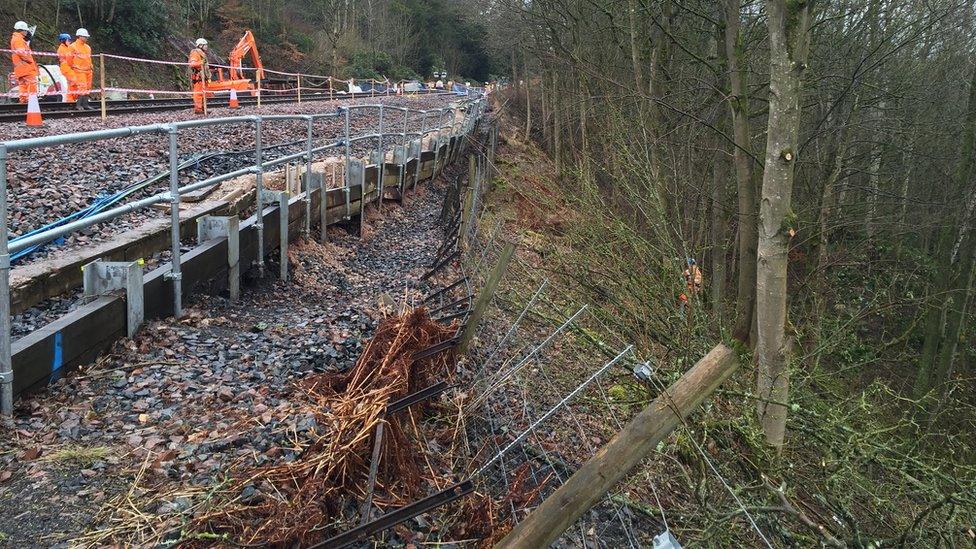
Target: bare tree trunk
x,y
634,50
656,88
720,177
528,109
583,110
546,108
949,293
827,203
557,142
875,130
745,182
788,22
871,213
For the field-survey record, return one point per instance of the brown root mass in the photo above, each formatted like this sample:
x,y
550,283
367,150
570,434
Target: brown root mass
x,y
302,501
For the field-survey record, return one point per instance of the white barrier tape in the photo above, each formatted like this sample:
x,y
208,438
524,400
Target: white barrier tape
x,y
38,94
135,90
31,52
182,64
266,92
141,60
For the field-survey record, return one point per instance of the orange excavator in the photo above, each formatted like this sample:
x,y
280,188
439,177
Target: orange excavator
x,y
235,75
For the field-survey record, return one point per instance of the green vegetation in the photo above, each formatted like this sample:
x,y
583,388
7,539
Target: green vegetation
x,y
397,39
863,458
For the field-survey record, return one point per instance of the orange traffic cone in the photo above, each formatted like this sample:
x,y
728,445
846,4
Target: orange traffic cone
x,y
33,111
234,104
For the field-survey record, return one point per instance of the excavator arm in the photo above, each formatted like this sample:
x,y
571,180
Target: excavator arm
x,y
245,46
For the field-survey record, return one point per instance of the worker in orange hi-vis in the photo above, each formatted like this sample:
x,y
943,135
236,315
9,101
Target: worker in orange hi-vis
x,y
198,72
693,276
25,68
81,66
693,283
64,63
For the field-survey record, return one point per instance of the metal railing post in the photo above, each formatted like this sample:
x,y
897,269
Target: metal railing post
x,y
6,363
307,228
420,154
345,174
259,188
437,144
403,143
175,273
381,153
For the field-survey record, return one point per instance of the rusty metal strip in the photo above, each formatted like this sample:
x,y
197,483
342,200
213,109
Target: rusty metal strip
x,y
374,467
398,516
434,349
443,263
414,398
458,314
455,303
447,288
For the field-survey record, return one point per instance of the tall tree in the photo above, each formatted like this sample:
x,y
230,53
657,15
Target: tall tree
x,y
745,180
951,292
788,22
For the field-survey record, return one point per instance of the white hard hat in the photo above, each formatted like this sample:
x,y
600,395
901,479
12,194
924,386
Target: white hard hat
x,y
201,42
82,33
21,26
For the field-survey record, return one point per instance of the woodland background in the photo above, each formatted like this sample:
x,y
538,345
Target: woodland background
x,y
399,39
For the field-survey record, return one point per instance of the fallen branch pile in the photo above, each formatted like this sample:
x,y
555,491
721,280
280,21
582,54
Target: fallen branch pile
x,y
298,501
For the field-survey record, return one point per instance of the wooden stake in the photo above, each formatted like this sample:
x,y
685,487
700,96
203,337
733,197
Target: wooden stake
x,y
465,219
101,77
472,170
299,89
373,468
206,84
615,460
484,297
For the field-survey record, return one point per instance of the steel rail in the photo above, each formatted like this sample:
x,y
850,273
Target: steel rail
x,y
16,113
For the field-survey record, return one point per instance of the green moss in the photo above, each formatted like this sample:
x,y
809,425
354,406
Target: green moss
x,y
618,393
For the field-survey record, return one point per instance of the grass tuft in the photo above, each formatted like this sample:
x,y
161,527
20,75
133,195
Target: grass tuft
x,y
82,456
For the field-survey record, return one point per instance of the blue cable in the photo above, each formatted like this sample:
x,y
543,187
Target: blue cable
x,y
104,202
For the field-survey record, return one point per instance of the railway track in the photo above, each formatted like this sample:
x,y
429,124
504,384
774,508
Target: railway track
x,y
17,112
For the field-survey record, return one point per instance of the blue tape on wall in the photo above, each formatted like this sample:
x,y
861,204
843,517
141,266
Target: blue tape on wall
x,y
58,359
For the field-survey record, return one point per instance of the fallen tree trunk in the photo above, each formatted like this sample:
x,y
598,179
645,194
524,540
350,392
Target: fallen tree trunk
x,y
631,445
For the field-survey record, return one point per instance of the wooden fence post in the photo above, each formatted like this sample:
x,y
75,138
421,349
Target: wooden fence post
x,y
615,460
101,77
484,297
465,219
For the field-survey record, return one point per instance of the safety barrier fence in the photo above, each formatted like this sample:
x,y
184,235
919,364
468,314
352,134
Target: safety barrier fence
x,y
298,83
461,119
